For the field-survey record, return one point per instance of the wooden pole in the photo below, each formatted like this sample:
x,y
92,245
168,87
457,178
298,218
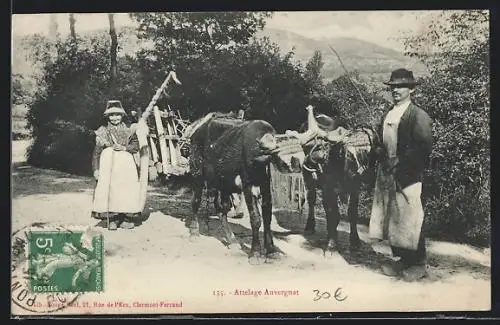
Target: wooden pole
x,y
165,156
171,145
149,108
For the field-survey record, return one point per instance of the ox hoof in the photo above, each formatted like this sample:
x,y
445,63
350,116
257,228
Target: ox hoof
x,y
194,232
330,248
255,258
274,256
230,242
233,247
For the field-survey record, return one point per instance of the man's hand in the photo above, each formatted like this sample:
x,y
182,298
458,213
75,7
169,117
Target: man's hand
x,y
119,147
392,163
96,174
379,153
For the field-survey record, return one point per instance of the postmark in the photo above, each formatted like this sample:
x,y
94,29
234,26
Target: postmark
x,y
52,266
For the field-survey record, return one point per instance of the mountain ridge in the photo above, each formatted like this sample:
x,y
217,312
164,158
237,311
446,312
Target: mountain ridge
x,y
373,62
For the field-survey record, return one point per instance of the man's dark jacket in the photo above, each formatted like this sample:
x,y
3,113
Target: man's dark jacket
x,y
414,145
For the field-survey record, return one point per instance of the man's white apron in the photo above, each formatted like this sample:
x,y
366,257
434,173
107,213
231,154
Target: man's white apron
x,y
395,216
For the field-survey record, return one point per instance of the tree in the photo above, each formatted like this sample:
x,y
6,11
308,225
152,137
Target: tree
x,y
112,53
317,89
195,45
18,92
64,113
53,28
271,86
72,22
181,34
354,101
313,73
455,48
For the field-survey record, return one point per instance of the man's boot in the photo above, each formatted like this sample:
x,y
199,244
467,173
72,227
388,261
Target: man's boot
x,y
394,269
415,272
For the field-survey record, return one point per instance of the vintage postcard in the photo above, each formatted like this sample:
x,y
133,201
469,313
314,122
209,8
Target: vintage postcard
x,y
250,162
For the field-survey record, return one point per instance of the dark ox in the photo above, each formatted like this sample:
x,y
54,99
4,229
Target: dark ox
x,y
224,150
337,172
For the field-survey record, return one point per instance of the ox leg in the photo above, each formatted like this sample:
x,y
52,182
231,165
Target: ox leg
x,y
267,214
352,213
311,203
330,204
226,206
255,220
195,205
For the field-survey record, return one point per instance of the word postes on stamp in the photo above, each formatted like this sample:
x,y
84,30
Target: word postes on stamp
x,y
54,265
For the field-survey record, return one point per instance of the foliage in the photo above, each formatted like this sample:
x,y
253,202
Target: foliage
x,y
456,95
222,66
177,35
354,101
317,91
18,92
64,113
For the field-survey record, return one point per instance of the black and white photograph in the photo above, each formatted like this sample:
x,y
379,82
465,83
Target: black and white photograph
x,y
250,162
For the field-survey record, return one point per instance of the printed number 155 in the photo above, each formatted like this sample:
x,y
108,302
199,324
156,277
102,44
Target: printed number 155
x,y
218,293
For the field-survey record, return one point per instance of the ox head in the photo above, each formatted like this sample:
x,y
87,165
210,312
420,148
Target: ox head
x,y
318,142
290,157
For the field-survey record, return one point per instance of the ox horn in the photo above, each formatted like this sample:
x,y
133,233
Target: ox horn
x,y
313,129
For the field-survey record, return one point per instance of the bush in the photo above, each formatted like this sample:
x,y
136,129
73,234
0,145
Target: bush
x,y
70,106
456,96
63,146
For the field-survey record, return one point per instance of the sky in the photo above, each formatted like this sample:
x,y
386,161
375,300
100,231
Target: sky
x,y
380,27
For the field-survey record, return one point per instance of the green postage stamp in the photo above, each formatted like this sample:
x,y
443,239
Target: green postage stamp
x,y
65,261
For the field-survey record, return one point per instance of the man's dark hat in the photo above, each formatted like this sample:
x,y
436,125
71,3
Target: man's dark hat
x,y
402,77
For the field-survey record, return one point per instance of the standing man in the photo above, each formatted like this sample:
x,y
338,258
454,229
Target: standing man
x,y
397,211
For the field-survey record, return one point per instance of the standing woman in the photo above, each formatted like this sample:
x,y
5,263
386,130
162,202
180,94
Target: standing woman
x,y
117,194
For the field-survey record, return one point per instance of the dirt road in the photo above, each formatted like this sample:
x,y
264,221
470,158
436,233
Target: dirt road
x,y
157,262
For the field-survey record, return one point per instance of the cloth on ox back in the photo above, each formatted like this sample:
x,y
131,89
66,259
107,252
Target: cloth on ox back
x,y
358,144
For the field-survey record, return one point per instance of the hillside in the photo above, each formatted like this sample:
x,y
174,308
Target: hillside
x,y
366,57
372,61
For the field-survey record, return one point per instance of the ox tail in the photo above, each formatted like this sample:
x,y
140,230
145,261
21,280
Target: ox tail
x,y
141,129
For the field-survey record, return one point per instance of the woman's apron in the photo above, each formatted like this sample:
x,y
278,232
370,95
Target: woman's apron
x,y
397,214
118,186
